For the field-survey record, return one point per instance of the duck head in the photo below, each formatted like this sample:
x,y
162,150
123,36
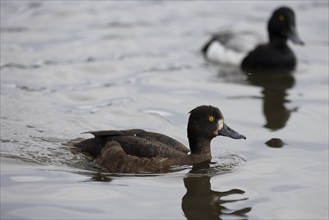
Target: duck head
x,y
205,123
282,26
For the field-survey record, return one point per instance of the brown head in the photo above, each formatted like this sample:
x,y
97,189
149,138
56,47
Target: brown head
x,y
205,123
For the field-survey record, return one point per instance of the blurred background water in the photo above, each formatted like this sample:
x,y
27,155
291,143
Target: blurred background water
x,y
74,66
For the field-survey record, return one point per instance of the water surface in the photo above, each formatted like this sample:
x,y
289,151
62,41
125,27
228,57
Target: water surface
x,y
70,67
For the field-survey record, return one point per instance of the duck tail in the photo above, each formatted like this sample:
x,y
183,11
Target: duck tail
x,y
204,49
71,143
92,146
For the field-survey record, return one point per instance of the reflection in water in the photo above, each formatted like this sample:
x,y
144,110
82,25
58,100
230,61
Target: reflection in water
x,y
99,177
274,92
275,143
200,202
275,86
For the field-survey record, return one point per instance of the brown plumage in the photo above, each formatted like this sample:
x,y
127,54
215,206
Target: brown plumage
x,y
139,151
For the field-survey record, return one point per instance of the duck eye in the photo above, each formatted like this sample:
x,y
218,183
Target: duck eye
x,y
211,118
281,18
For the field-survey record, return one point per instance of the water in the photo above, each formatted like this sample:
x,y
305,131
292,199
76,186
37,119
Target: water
x,y
70,67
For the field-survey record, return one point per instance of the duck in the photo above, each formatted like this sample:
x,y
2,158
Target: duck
x,y
244,50
140,151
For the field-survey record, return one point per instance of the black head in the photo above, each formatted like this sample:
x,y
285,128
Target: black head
x,y
282,25
205,123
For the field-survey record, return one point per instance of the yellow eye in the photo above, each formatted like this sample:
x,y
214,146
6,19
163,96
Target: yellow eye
x,y
211,118
281,18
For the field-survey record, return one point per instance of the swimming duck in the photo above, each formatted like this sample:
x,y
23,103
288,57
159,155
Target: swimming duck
x,y
139,151
242,49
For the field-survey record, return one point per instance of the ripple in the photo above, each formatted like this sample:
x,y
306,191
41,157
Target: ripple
x,y
160,113
227,163
19,66
95,107
27,178
14,29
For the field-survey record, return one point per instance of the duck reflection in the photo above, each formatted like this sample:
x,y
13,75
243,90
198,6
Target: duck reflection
x,y
96,177
274,94
275,86
200,202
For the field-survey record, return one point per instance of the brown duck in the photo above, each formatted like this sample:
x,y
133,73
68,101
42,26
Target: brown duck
x,y
139,151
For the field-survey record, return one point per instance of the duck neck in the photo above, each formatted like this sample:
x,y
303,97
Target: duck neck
x,y
199,146
278,41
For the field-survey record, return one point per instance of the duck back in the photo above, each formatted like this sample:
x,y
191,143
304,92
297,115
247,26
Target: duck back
x,y
134,142
267,57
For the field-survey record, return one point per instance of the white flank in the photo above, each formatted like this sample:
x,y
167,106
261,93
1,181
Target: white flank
x,y
220,54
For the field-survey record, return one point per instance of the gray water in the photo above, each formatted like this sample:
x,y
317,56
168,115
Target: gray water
x,y
75,66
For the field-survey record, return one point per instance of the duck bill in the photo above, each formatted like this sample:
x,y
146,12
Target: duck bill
x,y
228,132
294,37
